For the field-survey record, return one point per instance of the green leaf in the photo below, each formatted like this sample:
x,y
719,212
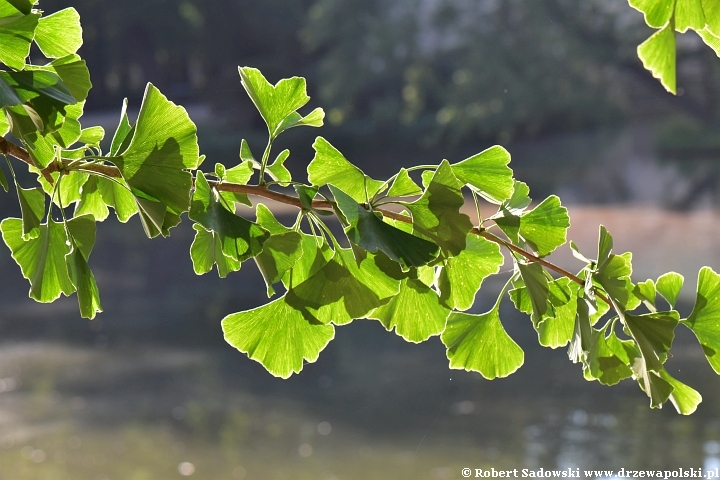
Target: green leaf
x,y
4,125
16,34
240,238
657,12
461,277
704,320
654,334
480,343
277,170
343,289
689,14
519,200
436,214
657,388
329,166
488,173
92,135
415,312
669,286
13,7
712,16
246,155
555,329
240,173
605,246
267,220
545,226
658,55
30,83
91,200
603,363
368,231
207,250
74,73
614,277
115,193
59,34
278,104
646,291
316,254
403,185
537,286
163,147
278,336
41,259
123,133
711,40
32,206
684,398
82,235
280,252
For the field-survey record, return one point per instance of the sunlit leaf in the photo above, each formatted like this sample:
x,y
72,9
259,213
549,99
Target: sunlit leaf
x,y
711,8
82,235
537,286
658,55
91,200
545,226
277,170
32,206
684,398
488,173
207,250
657,12
436,214
711,40
278,336
689,14
604,365
116,194
16,34
669,286
329,166
480,343
654,334
415,312
704,320
403,185
92,135
163,147
646,291
59,34
41,259
462,275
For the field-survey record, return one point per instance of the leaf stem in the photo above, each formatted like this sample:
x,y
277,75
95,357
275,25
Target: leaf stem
x,y
263,162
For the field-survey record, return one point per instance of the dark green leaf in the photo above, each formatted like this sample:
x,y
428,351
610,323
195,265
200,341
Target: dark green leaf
x,y
603,364
240,238
369,231
415,312
278,336
436,214
461,277
488,173
280,252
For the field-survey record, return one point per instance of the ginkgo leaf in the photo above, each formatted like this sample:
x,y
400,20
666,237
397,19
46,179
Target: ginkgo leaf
x,y
654,334
16,34
41,259
162,149
689,14
436,214
488,173
603,363
415,312
91,200
240,238
480,343
704,320
278,103
669,286
533,275
403,185
329,166
279,254
278,336
545,226
277,170
711,8
646,291
59,34
684,398
368,231
207,250
82,237
32,206
461,277
657,12
658,55
116,194
343,289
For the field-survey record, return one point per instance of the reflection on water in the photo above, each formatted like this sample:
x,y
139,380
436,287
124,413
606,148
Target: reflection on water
x,y
388,410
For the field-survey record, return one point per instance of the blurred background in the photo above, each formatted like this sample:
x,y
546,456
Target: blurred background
x,y
149,390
